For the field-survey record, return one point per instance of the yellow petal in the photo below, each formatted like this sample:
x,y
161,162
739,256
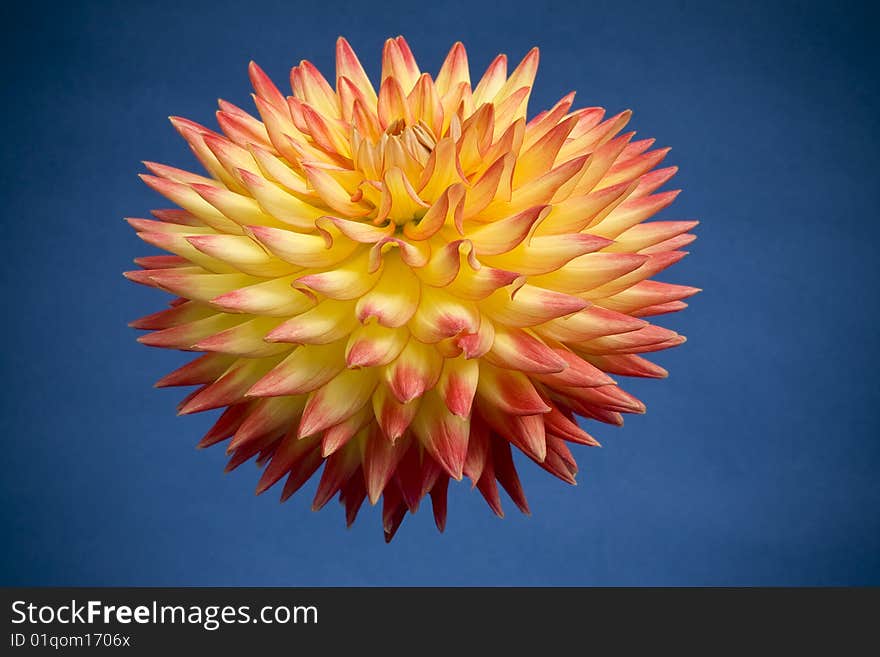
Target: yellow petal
x,y
373,345
441,315
413,372
243,253
394,299
276,298
306,369
529,306
337,400
303,250
327,322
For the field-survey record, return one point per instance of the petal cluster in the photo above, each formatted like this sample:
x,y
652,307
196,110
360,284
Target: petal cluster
x,y
399,285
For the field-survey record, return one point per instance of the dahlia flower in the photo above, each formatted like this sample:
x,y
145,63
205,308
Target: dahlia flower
x,y
402,284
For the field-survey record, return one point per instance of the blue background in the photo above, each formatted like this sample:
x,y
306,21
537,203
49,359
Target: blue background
x,y
757,462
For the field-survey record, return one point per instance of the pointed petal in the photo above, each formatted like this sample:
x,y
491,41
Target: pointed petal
x,y
306,369
373,345
444,435
381,458
337,400
394,418
458,384
348,66
327,322
415,371
516,349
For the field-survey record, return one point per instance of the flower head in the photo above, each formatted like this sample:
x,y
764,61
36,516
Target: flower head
x,y
402,284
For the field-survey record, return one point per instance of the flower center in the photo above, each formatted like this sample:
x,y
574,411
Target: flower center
x,y
393,170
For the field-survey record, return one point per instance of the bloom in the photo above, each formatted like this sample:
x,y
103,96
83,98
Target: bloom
x,y
401,285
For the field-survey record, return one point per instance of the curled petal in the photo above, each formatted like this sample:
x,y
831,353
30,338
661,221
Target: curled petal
x,y
478,283
441,315
400,203
543,255
444,263
394,299
502,236
332,192
358,231
474,345
302,249
441,171
579,212
241,252
591,271
446,211
413,255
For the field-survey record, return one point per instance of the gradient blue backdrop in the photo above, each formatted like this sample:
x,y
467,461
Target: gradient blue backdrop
x,y
757,462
